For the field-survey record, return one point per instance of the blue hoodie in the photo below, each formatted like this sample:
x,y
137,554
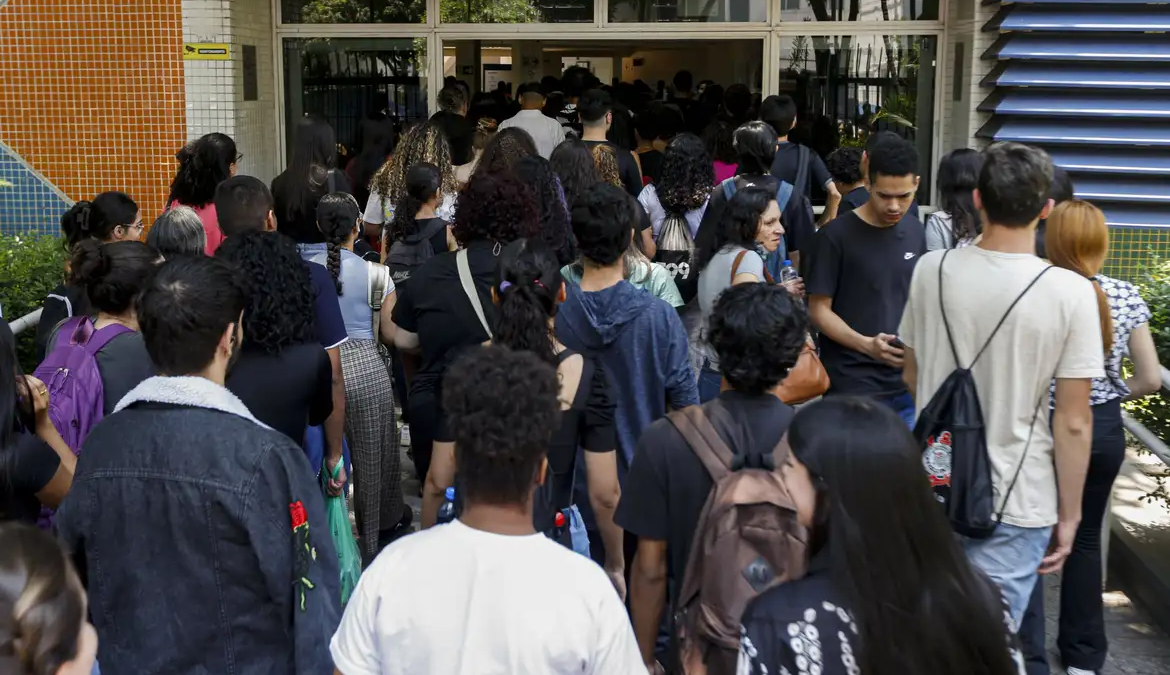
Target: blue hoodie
x,y
642,345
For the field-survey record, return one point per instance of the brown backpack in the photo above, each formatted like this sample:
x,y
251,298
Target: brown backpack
x,y
748,540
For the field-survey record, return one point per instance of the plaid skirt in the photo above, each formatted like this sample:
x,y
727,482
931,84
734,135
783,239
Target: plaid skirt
x,y
372,432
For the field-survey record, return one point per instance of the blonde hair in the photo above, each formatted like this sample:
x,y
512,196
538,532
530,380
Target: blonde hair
x,y
1077,239
607,164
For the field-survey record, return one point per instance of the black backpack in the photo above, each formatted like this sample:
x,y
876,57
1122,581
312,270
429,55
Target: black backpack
x,y
953,439
410,252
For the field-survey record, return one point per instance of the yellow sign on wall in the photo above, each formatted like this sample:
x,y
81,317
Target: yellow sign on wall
x,y
207,51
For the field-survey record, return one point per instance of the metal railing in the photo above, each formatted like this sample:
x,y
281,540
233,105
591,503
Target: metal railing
x,y
1146,437
25,322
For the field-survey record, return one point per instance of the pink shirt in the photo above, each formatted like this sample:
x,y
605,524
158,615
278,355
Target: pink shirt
x,y
210,225
724,171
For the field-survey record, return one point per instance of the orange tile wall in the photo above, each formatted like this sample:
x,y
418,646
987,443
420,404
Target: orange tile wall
x,y
91,93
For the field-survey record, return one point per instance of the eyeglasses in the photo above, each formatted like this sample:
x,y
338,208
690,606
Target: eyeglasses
x,y
239,158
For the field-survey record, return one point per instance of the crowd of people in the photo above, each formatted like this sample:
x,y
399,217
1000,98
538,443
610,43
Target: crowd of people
x,y
666,418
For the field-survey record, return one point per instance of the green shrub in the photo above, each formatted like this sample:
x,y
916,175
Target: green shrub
x,y
1154,411
30,268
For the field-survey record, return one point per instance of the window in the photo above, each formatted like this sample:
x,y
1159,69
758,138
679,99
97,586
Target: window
x,y
695,11
516,11
849,86
347,80
859,10
353,11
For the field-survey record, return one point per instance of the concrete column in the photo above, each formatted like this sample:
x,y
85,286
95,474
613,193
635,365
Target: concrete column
x,y
527,63
467,64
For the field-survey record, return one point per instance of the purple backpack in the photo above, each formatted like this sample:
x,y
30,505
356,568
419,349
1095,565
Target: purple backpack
x,y
70,371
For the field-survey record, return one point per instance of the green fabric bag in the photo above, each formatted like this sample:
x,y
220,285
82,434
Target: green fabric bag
x,y
349,560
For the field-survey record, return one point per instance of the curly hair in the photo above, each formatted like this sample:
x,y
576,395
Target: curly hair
x,y
844,165
280,310
203,164
505,149
574,165
424,142
337,216
607,164
758,331
42,603
687,175
503,411
496,207
555,229
739,224
528,283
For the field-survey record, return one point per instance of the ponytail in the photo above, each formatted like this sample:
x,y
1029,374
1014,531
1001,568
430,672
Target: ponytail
x,y
97,219
337,216
423,181
1106,316
527,289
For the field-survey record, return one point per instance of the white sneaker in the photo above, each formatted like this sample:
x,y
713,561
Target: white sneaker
x,y
1078,671
404,435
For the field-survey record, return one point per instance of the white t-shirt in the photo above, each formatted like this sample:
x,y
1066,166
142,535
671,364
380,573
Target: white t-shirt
x,y
453,600
1054,331
546,132
648,198
375,214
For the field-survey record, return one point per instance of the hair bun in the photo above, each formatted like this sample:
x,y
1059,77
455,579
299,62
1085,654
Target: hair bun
x,y
90,263
486,124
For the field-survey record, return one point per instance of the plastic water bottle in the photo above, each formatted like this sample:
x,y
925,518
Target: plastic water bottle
x,y
788,272
447,510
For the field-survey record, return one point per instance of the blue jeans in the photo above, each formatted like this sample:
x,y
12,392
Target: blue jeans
x,y
1011,558
903,404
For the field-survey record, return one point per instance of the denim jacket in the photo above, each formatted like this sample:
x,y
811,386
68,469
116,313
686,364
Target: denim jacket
x,y
203,538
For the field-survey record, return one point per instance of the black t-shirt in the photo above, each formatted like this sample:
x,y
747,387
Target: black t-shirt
x,y
627,167
288,391
459,134
62,303
866,270
651,164
799,228
858,196
667,484
303,226
787,161
435,307
330,324
32,464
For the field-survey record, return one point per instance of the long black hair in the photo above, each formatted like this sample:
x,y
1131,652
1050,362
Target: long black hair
x,y
574,165
112,274
718,139
920,607
279,312
203,164
755,147
555,229
739,225
958,176
16,405
423,182
687,175
337,216
97,219
528,284
314,155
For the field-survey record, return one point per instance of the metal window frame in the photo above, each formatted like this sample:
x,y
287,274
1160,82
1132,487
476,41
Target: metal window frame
x,y
769,32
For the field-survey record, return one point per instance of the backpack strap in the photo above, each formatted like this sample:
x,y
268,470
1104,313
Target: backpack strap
x,y
469,289
802,158
704,440
96,340
377,281
729,187
995,331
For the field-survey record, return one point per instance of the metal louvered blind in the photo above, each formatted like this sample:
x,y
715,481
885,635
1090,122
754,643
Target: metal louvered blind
x,y
1090,83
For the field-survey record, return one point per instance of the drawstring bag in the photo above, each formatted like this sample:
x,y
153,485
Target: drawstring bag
x,y
676,253
349,560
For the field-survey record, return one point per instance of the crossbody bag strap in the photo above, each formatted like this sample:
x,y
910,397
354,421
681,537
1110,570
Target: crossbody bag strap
x,y
377,281
469,289
735,265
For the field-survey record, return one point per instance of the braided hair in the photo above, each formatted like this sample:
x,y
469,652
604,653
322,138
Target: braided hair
x,y
337,217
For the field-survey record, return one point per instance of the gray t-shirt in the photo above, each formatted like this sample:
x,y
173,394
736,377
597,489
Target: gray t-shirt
x,y
713,280
123,364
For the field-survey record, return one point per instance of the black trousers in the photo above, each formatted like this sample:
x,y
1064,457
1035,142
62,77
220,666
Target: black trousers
x,y
1081,640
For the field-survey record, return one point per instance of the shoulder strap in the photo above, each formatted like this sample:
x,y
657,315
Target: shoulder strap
x,y
802,157
432,229
469,289
735,265
102,337
729,187
995,331
704,440
331,180
377,281
783,194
